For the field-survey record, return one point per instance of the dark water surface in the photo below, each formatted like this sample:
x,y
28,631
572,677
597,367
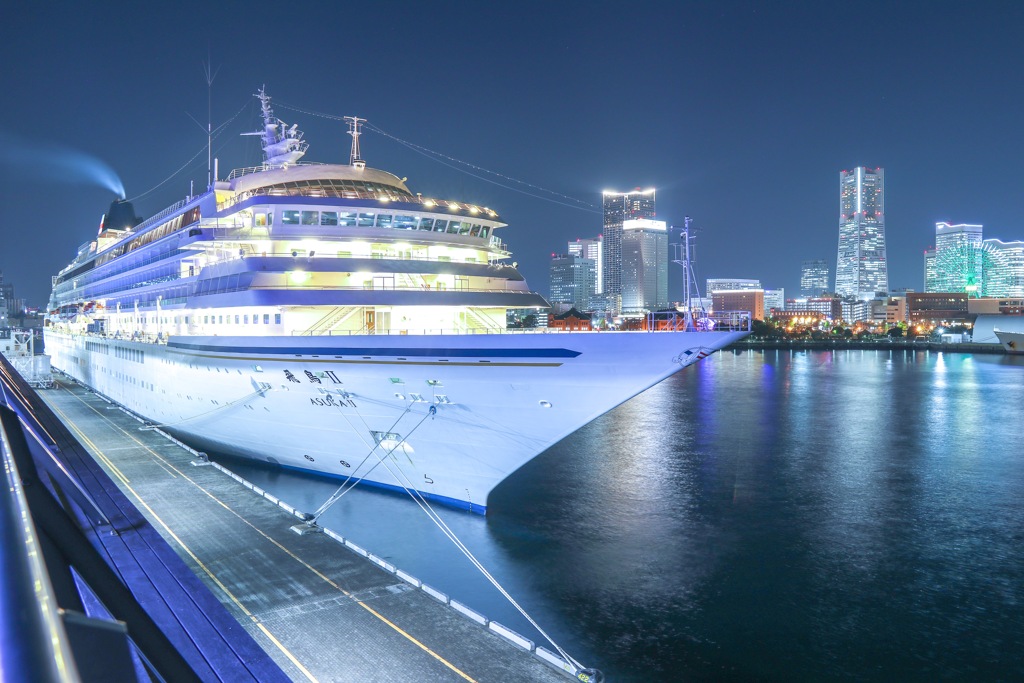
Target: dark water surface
x,y
777,516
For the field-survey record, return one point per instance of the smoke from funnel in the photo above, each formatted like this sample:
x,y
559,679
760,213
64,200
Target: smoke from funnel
x,y
52,163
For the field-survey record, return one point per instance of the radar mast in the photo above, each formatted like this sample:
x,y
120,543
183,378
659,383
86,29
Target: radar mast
x,y
282,145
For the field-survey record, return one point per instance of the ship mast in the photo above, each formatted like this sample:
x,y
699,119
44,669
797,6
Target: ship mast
x,y
282,145
354,159
683,259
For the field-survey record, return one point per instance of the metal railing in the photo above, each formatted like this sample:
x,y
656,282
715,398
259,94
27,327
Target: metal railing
x,y
34,645
43,629
726,321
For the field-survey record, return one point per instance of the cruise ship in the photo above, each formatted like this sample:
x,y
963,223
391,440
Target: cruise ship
x,y
325,317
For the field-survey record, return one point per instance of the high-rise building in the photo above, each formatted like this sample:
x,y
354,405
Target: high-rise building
x,y
644,265
861,268
618,208
958,258
774,299
813,278
572,281
592,249
930,277
1004,268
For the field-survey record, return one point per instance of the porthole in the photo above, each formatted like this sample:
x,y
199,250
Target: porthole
x,y
545,404
344,463
308,457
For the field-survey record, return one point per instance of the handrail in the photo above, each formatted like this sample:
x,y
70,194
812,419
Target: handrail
x,y
461,209
34,645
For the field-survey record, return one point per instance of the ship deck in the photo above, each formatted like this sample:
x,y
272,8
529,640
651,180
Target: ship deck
x,y
322,610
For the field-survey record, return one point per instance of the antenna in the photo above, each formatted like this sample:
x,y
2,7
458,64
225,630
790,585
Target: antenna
x,y
353,130
210,75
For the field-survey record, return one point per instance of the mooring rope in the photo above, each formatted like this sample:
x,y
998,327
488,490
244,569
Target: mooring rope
x,y
420,500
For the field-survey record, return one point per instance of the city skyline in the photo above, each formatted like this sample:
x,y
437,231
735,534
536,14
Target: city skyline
x,y
732,129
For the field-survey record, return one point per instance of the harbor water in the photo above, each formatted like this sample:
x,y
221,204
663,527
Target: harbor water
x,y
762,515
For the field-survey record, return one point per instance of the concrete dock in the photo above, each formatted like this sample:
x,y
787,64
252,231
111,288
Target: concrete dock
x,y
322,609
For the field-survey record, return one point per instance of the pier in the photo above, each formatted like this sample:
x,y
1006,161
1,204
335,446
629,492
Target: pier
x,y
320,607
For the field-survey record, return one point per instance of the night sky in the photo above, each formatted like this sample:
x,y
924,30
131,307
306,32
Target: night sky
x,y
740,114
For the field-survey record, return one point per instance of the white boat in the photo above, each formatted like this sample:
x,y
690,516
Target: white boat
x,y
1013,342
324,317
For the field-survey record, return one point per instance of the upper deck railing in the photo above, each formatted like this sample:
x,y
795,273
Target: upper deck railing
x,y
429,204
239,172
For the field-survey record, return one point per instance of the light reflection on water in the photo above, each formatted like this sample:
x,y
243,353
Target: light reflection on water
x,y
761,515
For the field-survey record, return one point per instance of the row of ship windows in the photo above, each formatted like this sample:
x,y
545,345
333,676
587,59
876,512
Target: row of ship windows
x,y
366,219
120,352
239,319
212,319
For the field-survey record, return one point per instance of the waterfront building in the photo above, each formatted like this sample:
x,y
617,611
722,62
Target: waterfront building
x,y
572,320
827,306
937,307
571,281
958,258
813,278
861,267
618,208
593,249
774,300
644,265
895,310
720,284
739,300
801,318
856,310
1003,268
988,305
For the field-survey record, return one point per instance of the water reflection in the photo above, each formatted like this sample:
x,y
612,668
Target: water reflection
x,y
773,516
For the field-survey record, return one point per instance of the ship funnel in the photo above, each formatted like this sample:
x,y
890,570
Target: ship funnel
x,y
120,216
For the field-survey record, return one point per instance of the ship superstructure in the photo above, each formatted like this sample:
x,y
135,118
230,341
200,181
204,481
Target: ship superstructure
x,y
325,317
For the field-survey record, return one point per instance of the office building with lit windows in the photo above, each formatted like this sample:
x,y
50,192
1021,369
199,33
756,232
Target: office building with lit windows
x,y
774,300
1004,268
592,249
930,278
958,258
813,278
861,266
751,300
618,208
644,265
572,281
719,284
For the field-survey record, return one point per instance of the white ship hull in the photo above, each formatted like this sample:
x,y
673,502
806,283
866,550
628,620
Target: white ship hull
x,y
1013,342
448,415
